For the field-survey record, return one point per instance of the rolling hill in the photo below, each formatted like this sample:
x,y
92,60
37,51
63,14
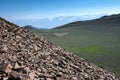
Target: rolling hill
x,y
97,40
107,21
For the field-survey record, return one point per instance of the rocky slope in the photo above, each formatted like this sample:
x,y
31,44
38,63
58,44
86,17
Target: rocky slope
x,y
24,56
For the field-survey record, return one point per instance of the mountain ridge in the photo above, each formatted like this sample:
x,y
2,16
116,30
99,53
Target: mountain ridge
x,y
104,20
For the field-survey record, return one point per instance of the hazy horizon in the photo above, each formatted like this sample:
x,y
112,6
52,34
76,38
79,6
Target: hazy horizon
x,y
52,13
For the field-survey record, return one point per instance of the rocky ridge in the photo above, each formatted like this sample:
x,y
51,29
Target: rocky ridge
x,y
24,56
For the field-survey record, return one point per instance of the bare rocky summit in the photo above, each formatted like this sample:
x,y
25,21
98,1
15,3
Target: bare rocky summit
x,y
24,56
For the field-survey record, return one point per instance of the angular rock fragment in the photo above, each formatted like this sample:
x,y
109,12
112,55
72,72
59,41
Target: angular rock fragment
x,y
17,76
5,67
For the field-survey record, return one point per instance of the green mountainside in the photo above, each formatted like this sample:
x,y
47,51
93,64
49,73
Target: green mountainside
x,y
98,40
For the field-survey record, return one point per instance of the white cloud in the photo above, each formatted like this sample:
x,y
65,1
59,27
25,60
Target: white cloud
x,y
50,21
60,16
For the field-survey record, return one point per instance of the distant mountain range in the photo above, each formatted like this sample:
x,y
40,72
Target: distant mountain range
x,y
32,27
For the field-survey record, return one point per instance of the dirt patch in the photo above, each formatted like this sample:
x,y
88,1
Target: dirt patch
x,y
60,34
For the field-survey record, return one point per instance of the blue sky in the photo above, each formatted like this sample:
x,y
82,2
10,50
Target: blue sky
x,y
52,13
